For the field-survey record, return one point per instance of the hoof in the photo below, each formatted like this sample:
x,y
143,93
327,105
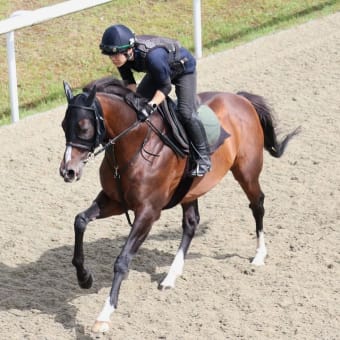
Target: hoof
x,y
257,261
163,288
164,285
101,327
87,282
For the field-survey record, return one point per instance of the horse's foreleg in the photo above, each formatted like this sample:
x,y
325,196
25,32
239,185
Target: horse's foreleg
x,y
139,231
101,207
190,221
81,221
258,213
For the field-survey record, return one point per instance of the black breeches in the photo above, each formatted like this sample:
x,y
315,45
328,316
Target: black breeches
x,y
185,89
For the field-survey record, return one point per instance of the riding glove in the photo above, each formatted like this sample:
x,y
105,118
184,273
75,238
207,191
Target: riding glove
x,y
146,111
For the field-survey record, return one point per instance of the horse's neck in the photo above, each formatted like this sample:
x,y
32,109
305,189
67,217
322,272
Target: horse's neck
x,y
117,115
121,120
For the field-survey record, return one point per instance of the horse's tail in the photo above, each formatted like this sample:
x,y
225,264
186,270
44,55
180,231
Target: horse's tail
x,y
271,144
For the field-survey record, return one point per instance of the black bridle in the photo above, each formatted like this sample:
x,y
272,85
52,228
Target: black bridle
x,y
97,115
100,132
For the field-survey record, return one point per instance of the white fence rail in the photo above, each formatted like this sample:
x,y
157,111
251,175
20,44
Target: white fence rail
x,y
21,19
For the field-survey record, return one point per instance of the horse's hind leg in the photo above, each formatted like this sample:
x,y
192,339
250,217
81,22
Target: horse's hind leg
x,y
190,221
249,181
258,213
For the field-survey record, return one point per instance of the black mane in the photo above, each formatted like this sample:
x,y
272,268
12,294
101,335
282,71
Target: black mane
x,y
108,85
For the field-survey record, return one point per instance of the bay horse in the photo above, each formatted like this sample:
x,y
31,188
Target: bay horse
x,y
139,173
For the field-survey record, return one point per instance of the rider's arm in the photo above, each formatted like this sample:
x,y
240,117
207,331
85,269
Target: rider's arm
x,y
127,75
158,68
158,97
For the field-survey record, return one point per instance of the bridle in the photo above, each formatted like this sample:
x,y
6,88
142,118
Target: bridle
x,y
100,131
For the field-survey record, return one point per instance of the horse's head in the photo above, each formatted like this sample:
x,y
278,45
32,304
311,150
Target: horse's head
x,y
84,130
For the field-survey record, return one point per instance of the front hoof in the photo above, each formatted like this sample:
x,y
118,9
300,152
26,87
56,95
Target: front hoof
x,y
101,327
257,262
87,282
163,287
166,284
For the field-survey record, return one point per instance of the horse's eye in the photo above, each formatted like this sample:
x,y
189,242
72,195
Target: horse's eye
x,y
85,129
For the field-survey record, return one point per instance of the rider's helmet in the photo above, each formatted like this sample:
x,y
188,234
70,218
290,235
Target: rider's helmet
x,y
117,39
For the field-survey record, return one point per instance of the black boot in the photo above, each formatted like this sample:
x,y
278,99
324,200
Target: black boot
x,y
198,138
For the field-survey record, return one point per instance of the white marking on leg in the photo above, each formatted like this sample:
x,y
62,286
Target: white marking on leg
x,y
261,251
175,271
68,154
106,312
102,324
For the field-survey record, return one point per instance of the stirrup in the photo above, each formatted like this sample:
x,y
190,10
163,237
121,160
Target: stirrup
x,y
200,169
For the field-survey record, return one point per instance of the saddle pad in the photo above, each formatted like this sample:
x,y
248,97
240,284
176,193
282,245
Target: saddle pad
x,y
210,123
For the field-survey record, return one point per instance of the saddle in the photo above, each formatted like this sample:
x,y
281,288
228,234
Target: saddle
x,y
168,110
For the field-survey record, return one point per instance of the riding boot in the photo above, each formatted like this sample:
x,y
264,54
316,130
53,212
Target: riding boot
x,y
201,152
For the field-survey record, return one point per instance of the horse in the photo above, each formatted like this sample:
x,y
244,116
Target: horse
x,y
140,173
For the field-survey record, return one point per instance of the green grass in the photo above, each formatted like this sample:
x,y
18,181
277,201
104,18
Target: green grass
x,y
67,47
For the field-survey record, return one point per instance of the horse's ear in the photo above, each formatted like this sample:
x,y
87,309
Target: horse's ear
x,y
68,91
91,96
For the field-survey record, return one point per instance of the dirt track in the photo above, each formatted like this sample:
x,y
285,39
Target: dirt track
x,y
220,296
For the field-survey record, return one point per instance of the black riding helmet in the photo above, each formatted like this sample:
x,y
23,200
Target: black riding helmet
x,y
117,39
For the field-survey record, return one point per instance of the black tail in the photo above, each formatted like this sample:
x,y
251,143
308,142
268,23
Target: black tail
x,y
271,144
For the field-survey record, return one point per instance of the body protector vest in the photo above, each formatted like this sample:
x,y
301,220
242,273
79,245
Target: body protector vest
x,y
145,43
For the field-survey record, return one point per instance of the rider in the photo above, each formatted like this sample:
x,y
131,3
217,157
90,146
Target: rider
x,y
165,62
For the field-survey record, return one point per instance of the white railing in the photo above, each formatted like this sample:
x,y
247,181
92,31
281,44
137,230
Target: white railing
x,y
21,19
197,27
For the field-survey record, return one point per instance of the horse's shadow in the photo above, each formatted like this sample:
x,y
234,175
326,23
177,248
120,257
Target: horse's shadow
x,y
49,284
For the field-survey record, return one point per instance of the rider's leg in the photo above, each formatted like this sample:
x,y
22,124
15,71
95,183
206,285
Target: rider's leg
x,y
201,151
185,86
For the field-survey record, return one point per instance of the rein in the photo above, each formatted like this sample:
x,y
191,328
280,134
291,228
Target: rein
x,y
112,141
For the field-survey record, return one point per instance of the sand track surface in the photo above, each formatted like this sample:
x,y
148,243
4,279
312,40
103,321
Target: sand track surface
x,y
220,295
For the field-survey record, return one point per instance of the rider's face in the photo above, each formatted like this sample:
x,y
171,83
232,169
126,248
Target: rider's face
x,y
118,59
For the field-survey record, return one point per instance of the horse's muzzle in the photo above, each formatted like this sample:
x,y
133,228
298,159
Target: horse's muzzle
x,y
70,173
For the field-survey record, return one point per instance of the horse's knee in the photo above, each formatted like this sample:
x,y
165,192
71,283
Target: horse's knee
x,y
80,222
189,226
121,265
257,207
191,219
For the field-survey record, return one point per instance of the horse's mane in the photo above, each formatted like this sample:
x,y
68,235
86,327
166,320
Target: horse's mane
x,y
108,85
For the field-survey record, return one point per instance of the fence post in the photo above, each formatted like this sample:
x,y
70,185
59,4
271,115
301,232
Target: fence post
x,y
12,73
12,77
197,28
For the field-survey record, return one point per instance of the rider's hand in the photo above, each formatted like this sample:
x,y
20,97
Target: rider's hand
x,y
146,111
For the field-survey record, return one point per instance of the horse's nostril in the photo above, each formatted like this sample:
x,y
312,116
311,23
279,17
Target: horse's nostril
x,y
71,174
